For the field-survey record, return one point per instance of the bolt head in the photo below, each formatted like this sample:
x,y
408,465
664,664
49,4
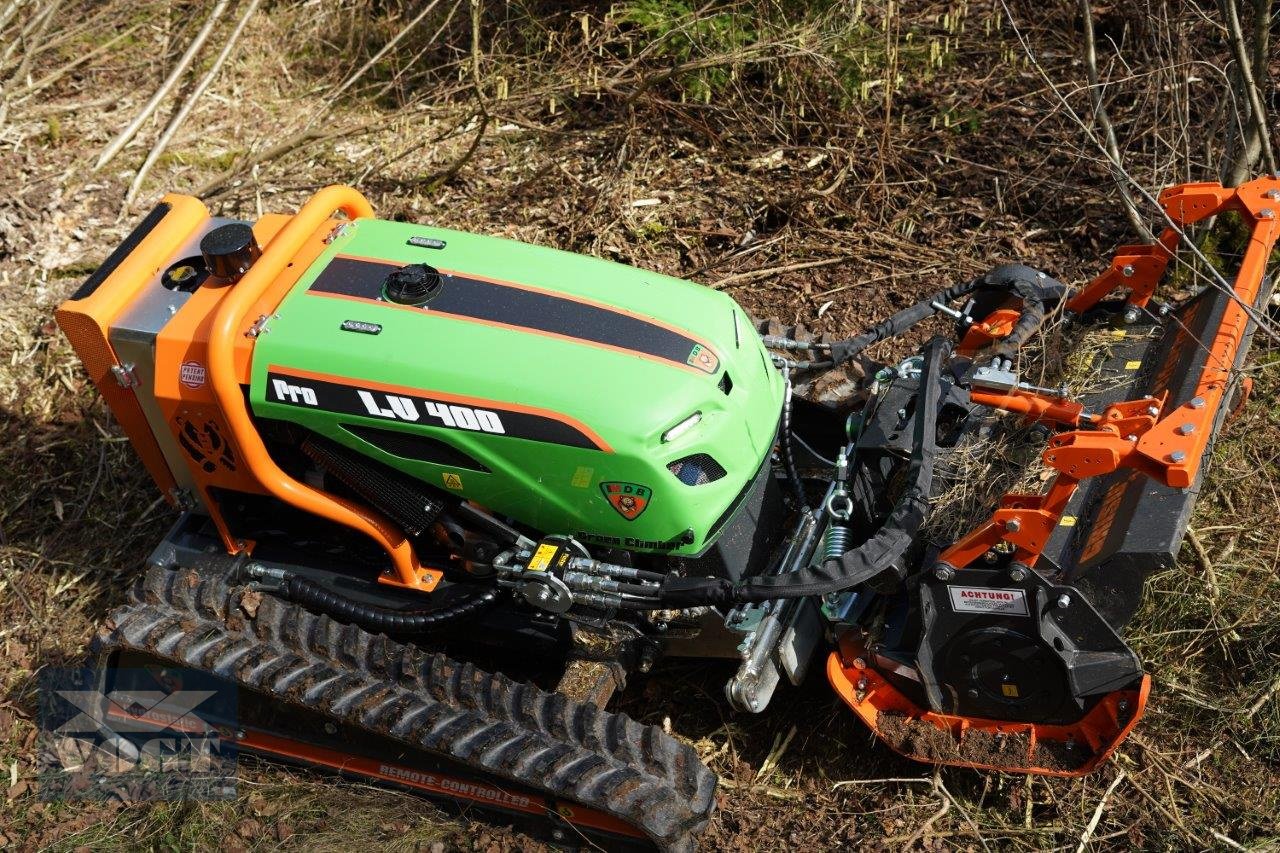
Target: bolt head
x,y
943,572
1186,429
1130,437
1131,314
1273,194
1197,402
1267,213
1177,456
859,663
1126,270
1018,574
1064,601
1013,525
862,683
1153,411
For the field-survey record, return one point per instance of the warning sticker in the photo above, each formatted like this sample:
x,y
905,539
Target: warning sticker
x,y
978,599
542,557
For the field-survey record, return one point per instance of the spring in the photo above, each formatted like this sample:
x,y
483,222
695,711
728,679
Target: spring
x,y
833,544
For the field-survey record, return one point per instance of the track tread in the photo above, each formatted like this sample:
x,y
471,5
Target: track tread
x,y
508,729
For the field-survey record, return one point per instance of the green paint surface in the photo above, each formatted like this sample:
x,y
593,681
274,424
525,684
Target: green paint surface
x,y
629,401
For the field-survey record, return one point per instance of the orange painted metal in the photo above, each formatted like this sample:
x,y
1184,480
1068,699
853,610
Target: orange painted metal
x,y
231,323
87,322
1034,407
998,324
1096,735
1144,436
1165,444
191,407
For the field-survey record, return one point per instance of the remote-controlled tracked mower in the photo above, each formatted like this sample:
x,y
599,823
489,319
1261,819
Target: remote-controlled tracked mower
x,y
407,456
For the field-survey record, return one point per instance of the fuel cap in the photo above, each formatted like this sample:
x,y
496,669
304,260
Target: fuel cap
x,y
230,250
414,284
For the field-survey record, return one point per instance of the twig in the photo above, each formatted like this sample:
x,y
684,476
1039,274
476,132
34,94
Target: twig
x,y
934,818
907,779
189,104
775,755
38,36
768,790
299,139
1104,121
8,11
179,69
1263,699
1234,845
751,275
1087,835
360,72
54,76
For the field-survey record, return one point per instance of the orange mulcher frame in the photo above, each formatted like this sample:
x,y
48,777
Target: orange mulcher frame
x,y
214,331
1141,435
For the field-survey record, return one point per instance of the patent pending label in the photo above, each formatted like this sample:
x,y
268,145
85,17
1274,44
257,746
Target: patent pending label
x,y
981,599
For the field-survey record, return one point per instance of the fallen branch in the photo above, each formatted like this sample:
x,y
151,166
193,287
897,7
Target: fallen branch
x,y
181,115
360,72
1087,835
751,275
179,69
302,137
54,76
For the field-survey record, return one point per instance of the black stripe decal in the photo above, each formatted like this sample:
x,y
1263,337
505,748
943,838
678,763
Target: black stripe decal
x,y
514,306
306,392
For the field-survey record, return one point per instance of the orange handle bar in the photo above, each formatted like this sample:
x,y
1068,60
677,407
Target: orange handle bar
x,y
229,323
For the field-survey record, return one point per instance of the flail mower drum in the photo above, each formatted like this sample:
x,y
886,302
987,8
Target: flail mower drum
x,y
400,451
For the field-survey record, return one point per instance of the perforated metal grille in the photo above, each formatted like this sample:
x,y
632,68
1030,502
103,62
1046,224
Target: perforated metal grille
x,y
696,470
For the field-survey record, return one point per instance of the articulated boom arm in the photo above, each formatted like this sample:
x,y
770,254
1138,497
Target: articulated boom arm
x,y
1166,445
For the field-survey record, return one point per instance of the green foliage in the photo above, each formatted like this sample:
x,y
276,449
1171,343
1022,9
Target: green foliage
x,y
838,48
681,34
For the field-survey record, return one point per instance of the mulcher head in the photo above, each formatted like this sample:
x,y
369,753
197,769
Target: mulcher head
x,y
1018,660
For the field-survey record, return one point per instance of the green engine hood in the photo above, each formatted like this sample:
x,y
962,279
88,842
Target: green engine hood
x,y
572,394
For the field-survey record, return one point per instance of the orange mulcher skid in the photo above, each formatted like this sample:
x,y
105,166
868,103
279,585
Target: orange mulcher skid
x,y
399,449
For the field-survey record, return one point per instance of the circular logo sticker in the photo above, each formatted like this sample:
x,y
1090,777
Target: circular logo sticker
x,y
192,374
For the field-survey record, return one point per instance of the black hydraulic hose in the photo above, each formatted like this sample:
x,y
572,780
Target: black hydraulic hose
x,y
1030,285
314,596
865,561
842,351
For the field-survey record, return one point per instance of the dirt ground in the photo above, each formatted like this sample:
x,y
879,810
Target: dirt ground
x,y
821,162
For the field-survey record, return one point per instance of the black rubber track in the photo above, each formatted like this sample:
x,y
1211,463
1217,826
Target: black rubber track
x,y
493,724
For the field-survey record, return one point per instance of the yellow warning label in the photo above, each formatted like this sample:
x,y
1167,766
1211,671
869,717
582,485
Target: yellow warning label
x,y
542,557
1067,521
582,477
1010,690
1132,365
452,480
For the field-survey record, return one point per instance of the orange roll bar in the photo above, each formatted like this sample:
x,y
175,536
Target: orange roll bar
x,y
229,325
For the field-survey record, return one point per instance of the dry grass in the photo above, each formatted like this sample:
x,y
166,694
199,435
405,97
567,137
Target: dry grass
x,y
823,163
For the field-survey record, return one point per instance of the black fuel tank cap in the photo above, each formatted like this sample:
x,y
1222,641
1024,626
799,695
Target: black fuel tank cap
x,y
230,250
415,284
